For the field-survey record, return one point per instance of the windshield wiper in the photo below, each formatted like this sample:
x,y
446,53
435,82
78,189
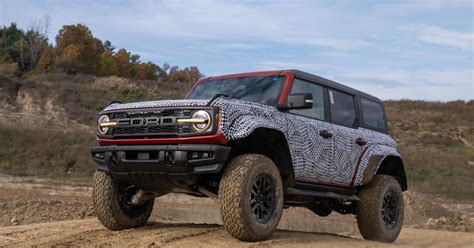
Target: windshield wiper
x,y
215,97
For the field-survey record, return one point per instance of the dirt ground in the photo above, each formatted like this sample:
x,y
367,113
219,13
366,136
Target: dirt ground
x,y
37,212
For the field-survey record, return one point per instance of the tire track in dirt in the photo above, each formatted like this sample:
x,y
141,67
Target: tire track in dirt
x,y
89,232
170,224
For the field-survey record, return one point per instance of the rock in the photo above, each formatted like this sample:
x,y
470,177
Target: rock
x,y
430,222
14,221
470,164
442,220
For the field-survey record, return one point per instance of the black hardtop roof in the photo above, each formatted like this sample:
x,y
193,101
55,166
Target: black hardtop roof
x,y
334,85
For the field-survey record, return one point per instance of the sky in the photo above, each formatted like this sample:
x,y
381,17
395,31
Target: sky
x,y
413,49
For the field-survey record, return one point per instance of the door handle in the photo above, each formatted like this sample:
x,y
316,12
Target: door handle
x,y
360,141
325,134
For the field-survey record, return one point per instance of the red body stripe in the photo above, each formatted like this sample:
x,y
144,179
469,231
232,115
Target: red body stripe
x,y
358,164
287,87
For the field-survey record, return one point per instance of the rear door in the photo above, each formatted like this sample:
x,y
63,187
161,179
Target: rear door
x,y
346,133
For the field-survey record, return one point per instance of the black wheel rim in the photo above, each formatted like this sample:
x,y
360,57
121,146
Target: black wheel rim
x,y
390,209
262,198
125,194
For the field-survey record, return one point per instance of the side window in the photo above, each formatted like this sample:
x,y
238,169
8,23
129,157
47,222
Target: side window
x,y
317,112
342,108
372,113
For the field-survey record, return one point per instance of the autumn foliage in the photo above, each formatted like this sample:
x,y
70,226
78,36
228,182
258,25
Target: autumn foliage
x,y
78,51
122,61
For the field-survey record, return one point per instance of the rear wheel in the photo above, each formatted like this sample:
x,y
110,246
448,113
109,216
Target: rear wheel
x,y
251,197
112,203
380,209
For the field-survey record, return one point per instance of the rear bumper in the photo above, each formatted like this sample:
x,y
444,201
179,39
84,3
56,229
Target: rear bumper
x,y
160,167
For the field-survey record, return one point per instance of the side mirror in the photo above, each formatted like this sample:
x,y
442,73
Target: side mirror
x,y
298,101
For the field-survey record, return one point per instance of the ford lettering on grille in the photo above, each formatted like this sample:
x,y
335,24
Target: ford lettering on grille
x,y
148,121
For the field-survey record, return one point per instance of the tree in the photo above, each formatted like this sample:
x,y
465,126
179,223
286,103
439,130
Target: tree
x,y
107,65
37,41
87,47
162,72
109,47
192,74
187,76
9,37
151,71
134,62
140,71
135,59
122,61
69,61
99,47
30,48
24,48
46,61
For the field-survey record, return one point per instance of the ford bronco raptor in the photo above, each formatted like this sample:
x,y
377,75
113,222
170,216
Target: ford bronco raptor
x,y
258,142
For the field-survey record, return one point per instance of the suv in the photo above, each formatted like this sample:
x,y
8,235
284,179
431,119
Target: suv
x,y
258,142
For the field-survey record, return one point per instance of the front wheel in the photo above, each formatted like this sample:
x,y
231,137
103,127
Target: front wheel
x,y
112,203
251,197
380,209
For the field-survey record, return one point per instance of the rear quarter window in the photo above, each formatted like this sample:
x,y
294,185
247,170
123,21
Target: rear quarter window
x,y
342,108
373,115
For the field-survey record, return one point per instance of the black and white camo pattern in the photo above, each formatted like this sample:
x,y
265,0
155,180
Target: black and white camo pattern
x,y
315,159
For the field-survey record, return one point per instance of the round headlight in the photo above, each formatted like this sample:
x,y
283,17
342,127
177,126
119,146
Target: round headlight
x,y
102,119
201,115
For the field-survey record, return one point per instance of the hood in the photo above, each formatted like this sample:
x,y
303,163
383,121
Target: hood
x,y
221,102
156,104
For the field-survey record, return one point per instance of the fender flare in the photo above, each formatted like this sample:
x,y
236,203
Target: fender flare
x,y
387,164
248,123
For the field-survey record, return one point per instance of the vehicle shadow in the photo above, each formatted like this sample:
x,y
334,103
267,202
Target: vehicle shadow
x,y
280,237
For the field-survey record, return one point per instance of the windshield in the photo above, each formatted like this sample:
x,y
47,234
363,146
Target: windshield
x,y
264,89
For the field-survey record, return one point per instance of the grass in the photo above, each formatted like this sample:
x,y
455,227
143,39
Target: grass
x,y
435,139
439,171
45,153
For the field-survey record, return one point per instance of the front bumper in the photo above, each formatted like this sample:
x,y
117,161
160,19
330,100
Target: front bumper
x,y
160,167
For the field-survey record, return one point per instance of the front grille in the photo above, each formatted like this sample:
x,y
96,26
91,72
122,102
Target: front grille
x,y
150,123
153,130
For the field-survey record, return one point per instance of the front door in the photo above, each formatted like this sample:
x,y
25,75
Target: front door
x,y
314,149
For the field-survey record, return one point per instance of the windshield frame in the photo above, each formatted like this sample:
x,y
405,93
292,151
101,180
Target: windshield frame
x,y
283,94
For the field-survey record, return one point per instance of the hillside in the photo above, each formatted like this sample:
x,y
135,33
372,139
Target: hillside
x,y
47,124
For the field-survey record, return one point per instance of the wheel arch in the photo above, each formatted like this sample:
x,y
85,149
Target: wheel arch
x,y
393,166
271,143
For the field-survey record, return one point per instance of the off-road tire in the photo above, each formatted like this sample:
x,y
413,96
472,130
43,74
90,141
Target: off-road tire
x,y
108,208
235,192
370,219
